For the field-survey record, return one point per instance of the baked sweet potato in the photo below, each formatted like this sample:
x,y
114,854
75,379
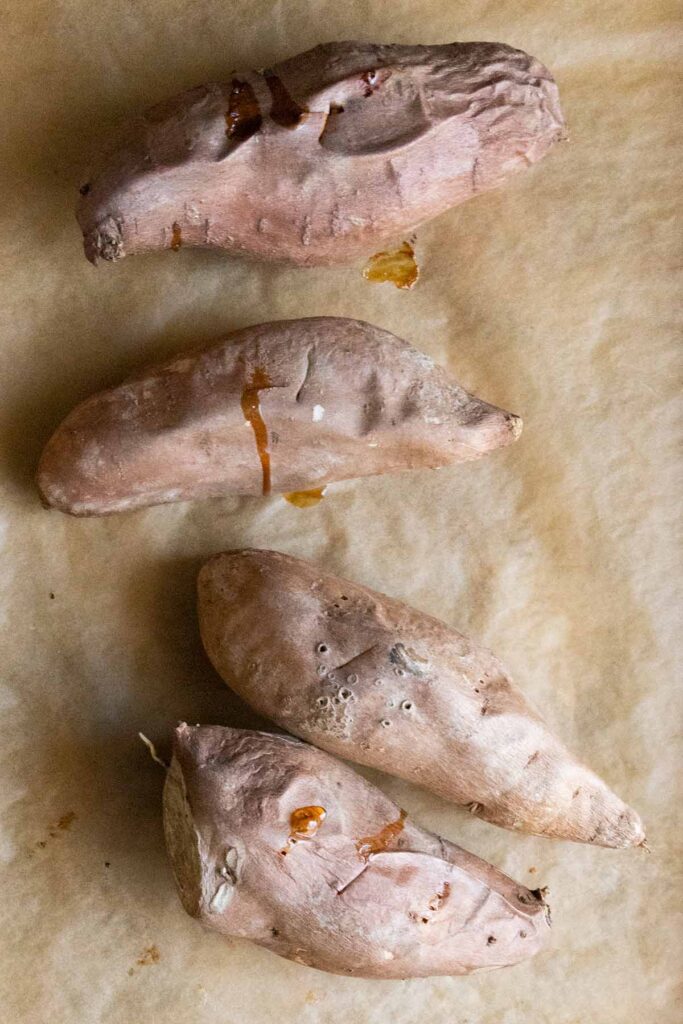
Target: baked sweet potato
x,y
325,156
279,407
375,681
274,841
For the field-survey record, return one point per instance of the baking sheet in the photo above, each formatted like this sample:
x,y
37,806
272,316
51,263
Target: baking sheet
x,y
555,298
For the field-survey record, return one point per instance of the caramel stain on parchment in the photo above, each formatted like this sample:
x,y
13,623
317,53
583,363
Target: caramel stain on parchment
x,y
176,236
305,499
304,823
382,840
243,116
147,958
397,266
62,824
284,109
251,408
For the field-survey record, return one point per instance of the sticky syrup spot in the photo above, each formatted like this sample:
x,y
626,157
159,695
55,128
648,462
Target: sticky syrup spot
x,y
243,116
150,956
304,822
398,266
284,109
62,824
383,839
176,237
305,499
251,408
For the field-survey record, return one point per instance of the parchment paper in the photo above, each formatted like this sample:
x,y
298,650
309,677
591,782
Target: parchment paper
x,y
555,298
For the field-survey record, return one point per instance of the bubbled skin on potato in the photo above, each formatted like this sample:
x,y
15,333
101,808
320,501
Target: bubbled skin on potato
x,y
278,407
275,841
325,156
375,681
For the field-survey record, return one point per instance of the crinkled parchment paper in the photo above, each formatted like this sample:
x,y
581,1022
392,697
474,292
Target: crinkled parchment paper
x,y
555,298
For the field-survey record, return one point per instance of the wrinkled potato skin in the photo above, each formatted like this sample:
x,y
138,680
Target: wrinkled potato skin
x,y
345,399
341,149
417,906
372,680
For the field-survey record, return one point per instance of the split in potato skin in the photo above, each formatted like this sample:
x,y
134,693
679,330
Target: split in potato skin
x,y
325,158
275,841
283,408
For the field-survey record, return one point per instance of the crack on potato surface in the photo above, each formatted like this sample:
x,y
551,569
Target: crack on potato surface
x,y
409,660
439,898
307,374
284,109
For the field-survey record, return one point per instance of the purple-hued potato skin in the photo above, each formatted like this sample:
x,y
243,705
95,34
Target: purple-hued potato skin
x,y
367,893
338,398
375,681
324,157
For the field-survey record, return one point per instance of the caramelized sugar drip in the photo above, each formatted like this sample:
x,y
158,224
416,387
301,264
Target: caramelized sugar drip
x,y
284,110
243,117
398,266
251,408
304,822
383,839
305,499
176,237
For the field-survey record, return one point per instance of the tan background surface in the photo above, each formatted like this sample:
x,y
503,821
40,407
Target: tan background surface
x,y
554,298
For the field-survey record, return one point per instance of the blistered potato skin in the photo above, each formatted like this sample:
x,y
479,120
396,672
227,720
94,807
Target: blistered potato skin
x,y
343,399
375,681
367,893
324,157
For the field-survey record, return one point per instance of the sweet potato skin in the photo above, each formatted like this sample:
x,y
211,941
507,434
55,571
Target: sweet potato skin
x,y
375,681
366,893
311,401
323,157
